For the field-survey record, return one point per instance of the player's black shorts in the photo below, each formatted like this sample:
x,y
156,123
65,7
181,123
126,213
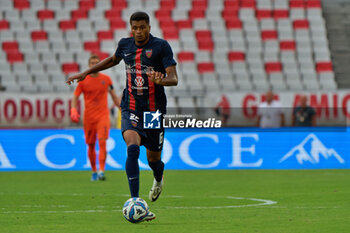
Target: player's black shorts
x,y
152,139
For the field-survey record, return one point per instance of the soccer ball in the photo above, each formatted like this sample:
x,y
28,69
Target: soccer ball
x,y
135,209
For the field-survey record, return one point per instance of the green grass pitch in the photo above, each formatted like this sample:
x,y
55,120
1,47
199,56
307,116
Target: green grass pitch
x,y
271,201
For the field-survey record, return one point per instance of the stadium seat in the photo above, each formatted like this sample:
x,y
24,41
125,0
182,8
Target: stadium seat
x,y
236,56
205,67
68,68
10,46
272,67
324,67
185,56
67,25
15,57
79,14
38,35
45,14
21,4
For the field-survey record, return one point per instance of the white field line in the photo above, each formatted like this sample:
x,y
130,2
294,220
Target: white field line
x,y
261,202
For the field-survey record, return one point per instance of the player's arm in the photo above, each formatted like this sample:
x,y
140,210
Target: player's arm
x,y
115,98
169,80
102,65
74,115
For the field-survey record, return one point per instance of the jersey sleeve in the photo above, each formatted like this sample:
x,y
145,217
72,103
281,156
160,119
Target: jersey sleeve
x,y
119,52
79,89
167,55
109,83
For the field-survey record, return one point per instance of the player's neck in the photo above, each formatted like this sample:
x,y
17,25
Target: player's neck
x,y
141,43
94,75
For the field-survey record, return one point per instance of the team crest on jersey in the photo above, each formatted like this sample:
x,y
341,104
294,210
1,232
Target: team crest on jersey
x,y
139,81
148,53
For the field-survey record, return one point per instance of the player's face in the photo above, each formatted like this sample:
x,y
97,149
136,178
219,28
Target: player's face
x,y
93,62
140,31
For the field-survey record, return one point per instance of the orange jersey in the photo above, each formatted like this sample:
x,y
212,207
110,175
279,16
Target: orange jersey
x,y
95,90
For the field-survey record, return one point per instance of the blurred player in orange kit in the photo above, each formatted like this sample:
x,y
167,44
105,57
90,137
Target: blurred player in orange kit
x,y
96,114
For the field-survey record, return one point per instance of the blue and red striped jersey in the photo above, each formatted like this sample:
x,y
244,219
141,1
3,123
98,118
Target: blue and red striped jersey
x,y
140,93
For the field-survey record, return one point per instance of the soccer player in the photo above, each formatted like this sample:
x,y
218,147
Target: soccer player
x,y
149,67
96,114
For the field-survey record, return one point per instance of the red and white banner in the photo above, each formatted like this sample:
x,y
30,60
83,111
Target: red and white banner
x,y
332,108
35,110
45,110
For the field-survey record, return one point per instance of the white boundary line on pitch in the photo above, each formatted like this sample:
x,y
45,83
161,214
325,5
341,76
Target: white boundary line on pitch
x,y
262,203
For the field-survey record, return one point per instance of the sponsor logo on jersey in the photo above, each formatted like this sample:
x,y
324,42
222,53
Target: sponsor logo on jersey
x,y
139,81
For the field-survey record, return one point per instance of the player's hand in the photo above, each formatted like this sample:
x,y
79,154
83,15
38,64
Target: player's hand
x,y
155,76
79,77
74,115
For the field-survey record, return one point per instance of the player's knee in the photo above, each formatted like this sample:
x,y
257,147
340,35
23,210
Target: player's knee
x,y
92,146
133,151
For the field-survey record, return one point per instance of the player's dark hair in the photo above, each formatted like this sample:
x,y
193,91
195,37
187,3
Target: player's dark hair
x,y
138,16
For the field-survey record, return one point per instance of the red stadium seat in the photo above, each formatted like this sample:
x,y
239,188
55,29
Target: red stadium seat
x,y
296,4
199,5
206,45
230,15
39,35
196,14
280,14
105,35
21,4
185,56
272,67
203,34
45,14
163,14
313,4
10,46
86,4
167,4
4,25
117,24
67,25
231,5
324,67
236,56
234,24
92,46
301,24
248,4
14,57
167,24
171,34
263,14
269,35
70,68
119,4
184,24
206,67
113,14
79,14
287,45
